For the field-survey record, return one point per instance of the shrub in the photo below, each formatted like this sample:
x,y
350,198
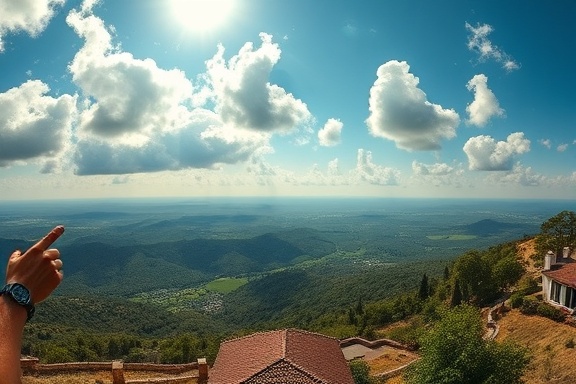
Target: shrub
x,y
569,343
529,306
528,285
550,312
516,300
360,372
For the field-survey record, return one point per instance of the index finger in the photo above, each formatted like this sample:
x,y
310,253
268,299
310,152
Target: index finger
x,y
51,237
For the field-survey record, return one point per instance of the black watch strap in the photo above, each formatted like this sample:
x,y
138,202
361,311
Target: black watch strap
x,y
21,295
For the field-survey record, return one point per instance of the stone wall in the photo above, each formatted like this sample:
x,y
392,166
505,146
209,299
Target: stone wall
x,y
31,366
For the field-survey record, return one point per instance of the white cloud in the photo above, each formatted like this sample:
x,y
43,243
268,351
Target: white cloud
x,y
546,142
137,116
562,147
365,173
437,169
399,111
486,154
33,126
200,143
29,16
244,96
478,42
372,173
485,104
127,96
329,135
519,175
437,174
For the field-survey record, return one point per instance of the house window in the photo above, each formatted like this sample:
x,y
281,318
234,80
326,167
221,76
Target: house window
x,y
555,292
570,298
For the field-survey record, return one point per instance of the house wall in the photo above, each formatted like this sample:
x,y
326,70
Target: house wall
x,y
546,287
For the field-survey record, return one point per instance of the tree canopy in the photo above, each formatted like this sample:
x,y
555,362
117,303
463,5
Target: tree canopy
x,y
556,233
454,352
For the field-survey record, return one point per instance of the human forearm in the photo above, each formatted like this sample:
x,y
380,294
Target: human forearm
x,y
12,320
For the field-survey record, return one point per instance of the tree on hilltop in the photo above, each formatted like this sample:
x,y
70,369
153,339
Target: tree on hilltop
x,y
556,233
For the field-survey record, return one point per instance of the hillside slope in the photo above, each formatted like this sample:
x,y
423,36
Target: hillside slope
x,y
551,344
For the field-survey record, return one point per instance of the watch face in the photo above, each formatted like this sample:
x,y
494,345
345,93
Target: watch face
x,y
20,294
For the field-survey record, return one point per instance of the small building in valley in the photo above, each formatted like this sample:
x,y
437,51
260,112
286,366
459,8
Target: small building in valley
x,y
282,356
559,280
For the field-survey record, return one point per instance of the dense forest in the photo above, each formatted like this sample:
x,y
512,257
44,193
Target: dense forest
x,y
341,295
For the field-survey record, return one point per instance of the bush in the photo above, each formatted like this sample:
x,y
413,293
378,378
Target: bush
x,y
360,372
529,306
527,285
569,343
516,300
550,312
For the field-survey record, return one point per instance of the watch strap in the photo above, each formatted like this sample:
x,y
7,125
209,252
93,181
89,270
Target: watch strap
x,y
8,289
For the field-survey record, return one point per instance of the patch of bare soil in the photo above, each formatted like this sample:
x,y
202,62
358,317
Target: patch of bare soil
x,y
525,251
391,359
551,347
102,377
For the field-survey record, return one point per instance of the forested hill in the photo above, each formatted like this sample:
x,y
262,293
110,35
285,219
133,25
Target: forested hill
x,y
130,269
165,280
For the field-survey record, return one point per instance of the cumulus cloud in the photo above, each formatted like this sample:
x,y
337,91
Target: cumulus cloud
x,y
485,104
562,147
486,154
437,169
329,135
244,96
478,42
437,174
372,173
546,142
365,172
34,126
137,116
130,96
191,146
31,17
519,175
399,111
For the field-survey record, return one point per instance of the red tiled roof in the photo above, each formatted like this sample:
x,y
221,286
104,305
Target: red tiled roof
x,y
283,372
275,356
565,274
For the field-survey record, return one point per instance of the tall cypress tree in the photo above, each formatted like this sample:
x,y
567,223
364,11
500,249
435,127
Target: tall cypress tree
x,y
456,294
424,290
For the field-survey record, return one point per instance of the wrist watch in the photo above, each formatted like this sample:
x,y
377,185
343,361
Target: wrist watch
x,y
21,295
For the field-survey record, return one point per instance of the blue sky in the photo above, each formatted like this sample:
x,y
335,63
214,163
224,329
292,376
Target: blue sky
x,y
298,98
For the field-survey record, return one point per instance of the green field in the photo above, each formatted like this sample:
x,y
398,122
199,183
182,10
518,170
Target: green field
x,y
451,237
225,284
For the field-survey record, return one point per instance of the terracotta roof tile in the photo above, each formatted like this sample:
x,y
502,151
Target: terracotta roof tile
x,y
283,372
238,359
275,356
317,353
564,274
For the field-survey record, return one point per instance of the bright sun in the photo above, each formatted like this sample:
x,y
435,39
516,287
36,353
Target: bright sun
x,y
201,15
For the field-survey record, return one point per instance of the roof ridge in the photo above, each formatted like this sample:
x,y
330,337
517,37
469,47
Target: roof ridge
x,y
252,335
284,331
311,333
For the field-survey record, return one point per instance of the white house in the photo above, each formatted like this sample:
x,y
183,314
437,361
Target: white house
x,y
559,280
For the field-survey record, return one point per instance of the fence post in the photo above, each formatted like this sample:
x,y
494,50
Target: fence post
x,y
118,372
202,371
